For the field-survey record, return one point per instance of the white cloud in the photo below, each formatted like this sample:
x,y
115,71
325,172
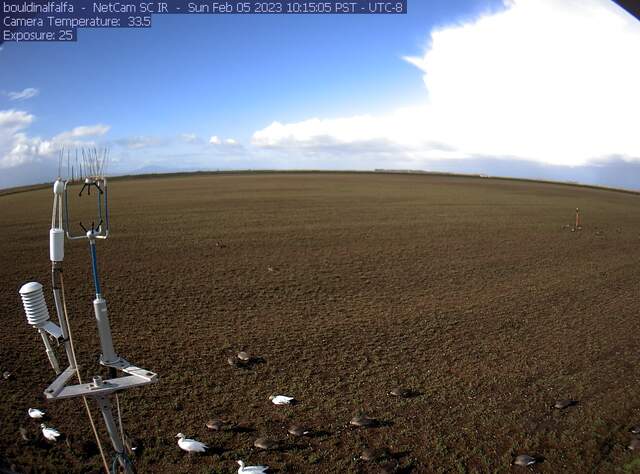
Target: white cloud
x,y
215,140
230,141
18,148
544,80
83,131
24,94
12,120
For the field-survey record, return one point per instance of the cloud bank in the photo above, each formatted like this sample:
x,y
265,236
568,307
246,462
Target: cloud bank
x,y
548,81
17,148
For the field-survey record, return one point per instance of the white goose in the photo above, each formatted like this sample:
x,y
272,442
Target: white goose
x,y
281,400
35,413
191,445
50,433
251,469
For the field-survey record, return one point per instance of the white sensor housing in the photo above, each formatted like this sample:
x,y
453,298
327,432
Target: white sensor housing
x,y
58,187
34,304
56,245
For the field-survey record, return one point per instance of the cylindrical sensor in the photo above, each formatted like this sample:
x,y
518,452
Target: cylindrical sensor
x,y
56,244
58,187
34,304
109,355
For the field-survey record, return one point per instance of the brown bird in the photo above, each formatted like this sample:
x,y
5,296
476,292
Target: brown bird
x,y
401,392
634,445
524,460
373,454
562,404
215,425
265,443
297,430
363,421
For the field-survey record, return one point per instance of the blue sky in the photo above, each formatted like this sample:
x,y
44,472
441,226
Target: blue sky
x,y
350,91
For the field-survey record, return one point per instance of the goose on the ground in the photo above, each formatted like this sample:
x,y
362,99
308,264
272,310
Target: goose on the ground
x,y
401,392
243,356
251,469
266,444
35,413
281,400
215,425
190,445
372,454
524,460
565,403
363,421
50,433
297,430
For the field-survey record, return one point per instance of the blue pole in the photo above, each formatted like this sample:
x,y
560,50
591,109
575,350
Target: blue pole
x,y
94,267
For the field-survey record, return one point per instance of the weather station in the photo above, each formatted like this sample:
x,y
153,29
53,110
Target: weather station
x,y
122,374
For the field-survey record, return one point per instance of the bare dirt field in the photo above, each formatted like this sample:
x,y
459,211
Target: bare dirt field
x,y
468,291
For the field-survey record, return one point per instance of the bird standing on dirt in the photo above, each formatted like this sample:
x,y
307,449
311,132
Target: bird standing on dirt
x,y
191,445
363,421
215,425
251,469
281,400
50,433
297,430
524,460
35,413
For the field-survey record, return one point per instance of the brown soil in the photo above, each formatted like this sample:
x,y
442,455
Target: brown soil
x,y
468,291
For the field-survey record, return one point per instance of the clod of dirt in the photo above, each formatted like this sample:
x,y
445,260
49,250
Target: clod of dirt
x,y
363,421
297,430
401,392
524,460
634,445
266,444
562,404
215,425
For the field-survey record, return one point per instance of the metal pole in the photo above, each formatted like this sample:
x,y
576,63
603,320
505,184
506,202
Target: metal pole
x,y
109,355
105,407
56,269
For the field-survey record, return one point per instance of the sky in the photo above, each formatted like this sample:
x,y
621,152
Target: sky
x,y
526,88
